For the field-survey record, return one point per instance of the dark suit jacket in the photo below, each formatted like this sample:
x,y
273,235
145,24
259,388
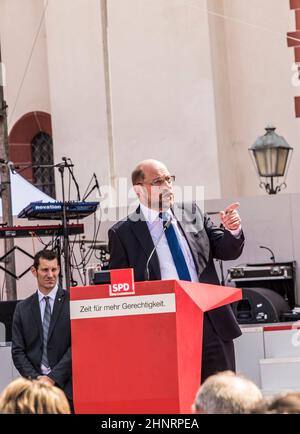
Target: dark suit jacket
x,y
130,245
27,340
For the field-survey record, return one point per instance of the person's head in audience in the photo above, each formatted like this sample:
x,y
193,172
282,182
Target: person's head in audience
x,y
284,403
24,396
227,393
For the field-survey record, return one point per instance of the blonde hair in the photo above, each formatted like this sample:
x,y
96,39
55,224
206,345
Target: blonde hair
x,y
33,397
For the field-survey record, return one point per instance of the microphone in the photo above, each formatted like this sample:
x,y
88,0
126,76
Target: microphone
x,y
273,256
166,225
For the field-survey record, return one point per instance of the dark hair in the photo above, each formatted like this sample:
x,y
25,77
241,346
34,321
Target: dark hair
x,y
137,175
44,254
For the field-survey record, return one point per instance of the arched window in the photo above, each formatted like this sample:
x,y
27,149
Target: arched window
x,y
42,154
30,143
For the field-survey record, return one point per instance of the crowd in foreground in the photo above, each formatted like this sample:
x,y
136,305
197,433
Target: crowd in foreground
x,y
223,393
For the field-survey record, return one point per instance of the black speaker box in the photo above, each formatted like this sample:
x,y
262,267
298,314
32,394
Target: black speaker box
x,y
7,309
260,305
101,277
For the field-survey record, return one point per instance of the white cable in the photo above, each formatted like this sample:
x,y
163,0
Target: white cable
x,y
28,62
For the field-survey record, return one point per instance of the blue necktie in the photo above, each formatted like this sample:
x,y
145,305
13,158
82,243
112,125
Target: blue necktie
x,y
177,254
46,324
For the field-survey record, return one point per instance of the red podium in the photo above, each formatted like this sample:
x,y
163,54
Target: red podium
x,y
140,353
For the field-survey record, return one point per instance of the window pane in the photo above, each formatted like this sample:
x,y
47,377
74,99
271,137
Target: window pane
x,y
42,153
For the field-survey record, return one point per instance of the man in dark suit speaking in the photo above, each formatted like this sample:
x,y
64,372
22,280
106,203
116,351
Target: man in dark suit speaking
x,y
41,335
185,251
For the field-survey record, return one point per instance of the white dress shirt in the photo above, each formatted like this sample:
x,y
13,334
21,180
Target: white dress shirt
x,y
42,303
166,263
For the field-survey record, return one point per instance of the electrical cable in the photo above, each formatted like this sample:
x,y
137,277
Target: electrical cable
x,y
28,63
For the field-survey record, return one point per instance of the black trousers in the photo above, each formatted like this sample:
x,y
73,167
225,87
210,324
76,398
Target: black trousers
x,y
217,354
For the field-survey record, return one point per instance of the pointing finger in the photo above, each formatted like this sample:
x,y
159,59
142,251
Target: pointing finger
x,y
232,207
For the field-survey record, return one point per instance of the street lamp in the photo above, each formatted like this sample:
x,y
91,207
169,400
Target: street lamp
x,y
271,155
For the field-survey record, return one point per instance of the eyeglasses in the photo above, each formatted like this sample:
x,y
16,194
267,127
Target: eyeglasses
x,y
157,182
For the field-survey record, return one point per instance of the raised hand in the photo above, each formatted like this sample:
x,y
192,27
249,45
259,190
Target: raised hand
x,y
230,217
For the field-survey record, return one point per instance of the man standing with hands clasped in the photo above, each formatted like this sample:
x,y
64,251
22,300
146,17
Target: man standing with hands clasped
x,y
184,251
41,335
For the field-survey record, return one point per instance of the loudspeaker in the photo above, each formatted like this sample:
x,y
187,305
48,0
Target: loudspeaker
x,y
259,305
7,309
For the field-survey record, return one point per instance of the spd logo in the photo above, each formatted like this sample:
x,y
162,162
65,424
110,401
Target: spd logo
x,y
122,282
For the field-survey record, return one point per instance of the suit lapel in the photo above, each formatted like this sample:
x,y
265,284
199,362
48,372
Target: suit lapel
x,y
197,244
58,303
36,312
141,231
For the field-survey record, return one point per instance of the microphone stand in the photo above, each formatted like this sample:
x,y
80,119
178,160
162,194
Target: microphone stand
x,y
69,166
222,272
95,186
61,167
166,226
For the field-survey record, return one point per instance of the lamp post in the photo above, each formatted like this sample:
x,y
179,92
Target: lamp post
x,y
271,155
